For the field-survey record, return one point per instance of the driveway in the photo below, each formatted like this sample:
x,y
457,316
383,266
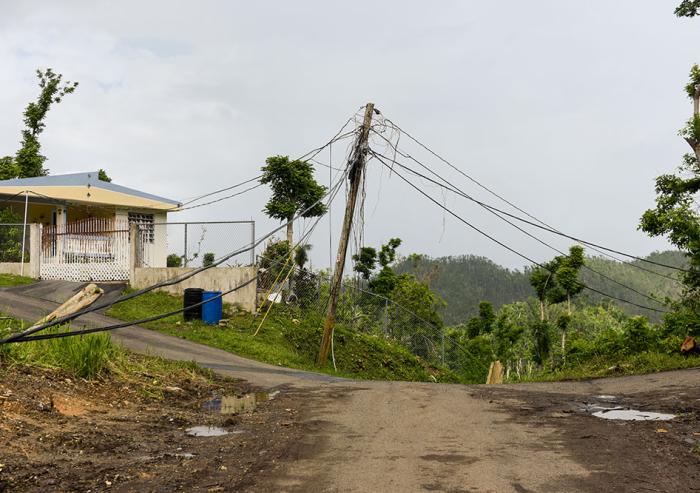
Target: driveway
x,y
33,301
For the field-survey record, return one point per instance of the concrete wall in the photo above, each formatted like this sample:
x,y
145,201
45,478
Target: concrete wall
x,y
214,279
14,268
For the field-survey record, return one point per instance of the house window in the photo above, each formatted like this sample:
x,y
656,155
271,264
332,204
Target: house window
x,y
145,223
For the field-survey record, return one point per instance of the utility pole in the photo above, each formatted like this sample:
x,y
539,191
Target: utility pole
x,y
357,167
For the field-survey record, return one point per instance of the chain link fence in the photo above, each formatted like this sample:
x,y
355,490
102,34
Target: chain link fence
x,y
192,244
11,242
302,292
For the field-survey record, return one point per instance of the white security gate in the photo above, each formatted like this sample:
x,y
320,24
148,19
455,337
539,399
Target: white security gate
x,y
95,249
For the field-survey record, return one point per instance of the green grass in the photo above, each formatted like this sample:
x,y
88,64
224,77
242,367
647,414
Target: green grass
x,y
599,367
288,341
92,356
13,280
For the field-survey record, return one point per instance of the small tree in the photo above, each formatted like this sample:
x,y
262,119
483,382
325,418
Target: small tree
x,y
29,161
102,176
173,260
688,8
674,215
366,260
294,189
208,259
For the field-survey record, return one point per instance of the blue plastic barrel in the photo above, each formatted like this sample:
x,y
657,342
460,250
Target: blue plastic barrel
x,y
212,310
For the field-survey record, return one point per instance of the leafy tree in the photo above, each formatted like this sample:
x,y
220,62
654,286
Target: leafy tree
x,y
413,298
366,260
11,236
9,169
208,259
29,161
102,176
544,281
294,189
688,8
173,260
483,324
674,215
272,262
568,272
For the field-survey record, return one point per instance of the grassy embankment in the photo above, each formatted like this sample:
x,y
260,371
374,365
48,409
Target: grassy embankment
x,y
608,366
286,341
95,356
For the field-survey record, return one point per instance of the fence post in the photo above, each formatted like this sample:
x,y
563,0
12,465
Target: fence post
x,y
442,336
385,320
252,243
133,251
35,250
185,259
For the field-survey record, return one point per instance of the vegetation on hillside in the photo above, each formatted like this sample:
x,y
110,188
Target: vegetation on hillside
x,y
463,281
289,339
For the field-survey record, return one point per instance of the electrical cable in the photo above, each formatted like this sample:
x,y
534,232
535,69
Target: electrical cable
x,y
490,237
461,193
172,281
547,226
160,316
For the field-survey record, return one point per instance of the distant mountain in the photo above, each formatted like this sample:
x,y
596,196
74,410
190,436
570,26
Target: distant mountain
x,y
462,281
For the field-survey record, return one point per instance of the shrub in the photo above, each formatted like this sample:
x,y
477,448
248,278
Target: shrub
x,y
173,260
208,259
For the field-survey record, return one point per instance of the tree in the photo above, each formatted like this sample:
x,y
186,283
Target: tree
x,y
483,324
208,259
102,176
543,280
674,215
366,261
29,161
294,189
173,260
568,272
688,8
557,280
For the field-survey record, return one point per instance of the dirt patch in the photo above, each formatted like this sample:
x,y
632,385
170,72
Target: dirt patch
x,y
62,434
623,456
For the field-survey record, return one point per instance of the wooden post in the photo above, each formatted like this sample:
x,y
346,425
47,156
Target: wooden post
x,y
357,166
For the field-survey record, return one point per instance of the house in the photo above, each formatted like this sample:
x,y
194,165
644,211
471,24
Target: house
x,y
84,224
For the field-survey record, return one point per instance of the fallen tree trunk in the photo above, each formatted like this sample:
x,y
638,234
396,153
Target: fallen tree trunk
x,y
82,299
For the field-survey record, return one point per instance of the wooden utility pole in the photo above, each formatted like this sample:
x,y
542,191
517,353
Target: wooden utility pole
x,y
357,168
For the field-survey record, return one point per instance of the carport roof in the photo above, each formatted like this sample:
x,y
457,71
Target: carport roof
x,y
85,188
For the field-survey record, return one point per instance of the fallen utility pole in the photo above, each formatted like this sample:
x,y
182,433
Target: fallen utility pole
x,y
356,165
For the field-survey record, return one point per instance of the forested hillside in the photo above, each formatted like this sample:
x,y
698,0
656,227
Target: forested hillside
x,y
463,281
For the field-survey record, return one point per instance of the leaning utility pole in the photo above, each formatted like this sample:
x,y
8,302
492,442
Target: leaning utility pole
x,y
356,165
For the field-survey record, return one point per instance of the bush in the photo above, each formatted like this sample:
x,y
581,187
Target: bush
x,y
173,260
208,259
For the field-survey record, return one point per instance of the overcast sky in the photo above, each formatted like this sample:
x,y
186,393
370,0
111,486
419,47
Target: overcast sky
x,y
569,109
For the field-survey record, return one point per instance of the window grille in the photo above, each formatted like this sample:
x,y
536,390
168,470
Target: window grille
x,y
145,223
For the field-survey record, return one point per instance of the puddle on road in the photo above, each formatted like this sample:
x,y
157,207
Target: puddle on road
x,y
206,431
236,405
632,415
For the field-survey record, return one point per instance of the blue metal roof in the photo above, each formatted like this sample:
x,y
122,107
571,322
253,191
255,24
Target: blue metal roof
x,y
88,179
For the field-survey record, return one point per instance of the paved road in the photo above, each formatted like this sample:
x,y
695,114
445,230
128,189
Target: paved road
x,y
400,437
31,302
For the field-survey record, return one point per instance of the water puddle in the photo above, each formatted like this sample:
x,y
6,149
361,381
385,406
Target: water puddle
x,y
206,431
236,405
606,397
632,415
